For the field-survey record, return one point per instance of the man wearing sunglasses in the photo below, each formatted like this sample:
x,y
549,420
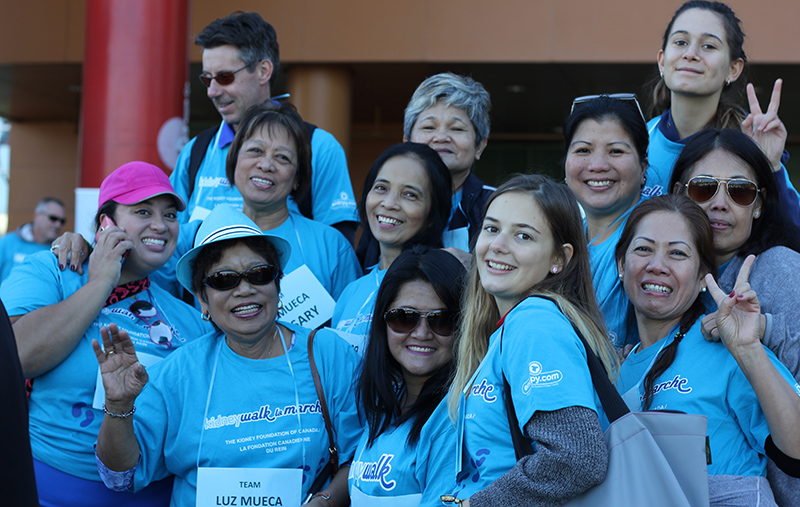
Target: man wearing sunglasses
x,y
48,219
240,64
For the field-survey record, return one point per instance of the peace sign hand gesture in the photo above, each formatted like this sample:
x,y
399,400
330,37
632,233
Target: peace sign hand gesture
x,y
738,316
766,128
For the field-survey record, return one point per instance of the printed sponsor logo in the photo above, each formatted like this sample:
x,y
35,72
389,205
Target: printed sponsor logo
x,y
343,201
213,182
653,191
677,383
372,471
264,413
797,389
539,378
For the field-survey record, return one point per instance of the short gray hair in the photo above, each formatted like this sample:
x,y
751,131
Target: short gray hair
x,y
41,207
452,90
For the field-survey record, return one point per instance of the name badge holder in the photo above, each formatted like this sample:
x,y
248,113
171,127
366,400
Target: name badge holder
x,y
248,486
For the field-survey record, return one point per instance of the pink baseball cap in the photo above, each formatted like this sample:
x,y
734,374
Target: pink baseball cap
x,y
135,182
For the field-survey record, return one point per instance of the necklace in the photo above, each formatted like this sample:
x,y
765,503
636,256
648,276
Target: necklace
x,y
272,342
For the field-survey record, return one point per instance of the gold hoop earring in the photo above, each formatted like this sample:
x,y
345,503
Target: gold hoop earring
x,y
205,316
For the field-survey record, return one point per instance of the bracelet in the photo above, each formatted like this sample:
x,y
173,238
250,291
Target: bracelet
x,y
451,499
325,497
119,416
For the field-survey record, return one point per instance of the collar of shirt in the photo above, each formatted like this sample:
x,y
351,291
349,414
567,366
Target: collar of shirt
x,y
225,136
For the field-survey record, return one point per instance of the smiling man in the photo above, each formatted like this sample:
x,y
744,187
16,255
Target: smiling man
x,y
240,62
48,219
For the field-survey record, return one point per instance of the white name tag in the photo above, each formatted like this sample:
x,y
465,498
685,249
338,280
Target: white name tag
x,y
146,360
305,300
248,486
357,341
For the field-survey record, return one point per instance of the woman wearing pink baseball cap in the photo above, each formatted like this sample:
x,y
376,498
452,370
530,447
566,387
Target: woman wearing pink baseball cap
x,y
56,314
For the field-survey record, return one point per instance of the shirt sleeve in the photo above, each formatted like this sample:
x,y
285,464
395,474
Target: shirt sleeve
x,y
790,200
180,180
332,198
39,270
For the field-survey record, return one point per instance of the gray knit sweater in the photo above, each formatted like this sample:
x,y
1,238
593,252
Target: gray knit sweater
x,y
775,276
571,457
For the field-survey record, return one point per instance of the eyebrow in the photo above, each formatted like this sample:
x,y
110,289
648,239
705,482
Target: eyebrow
x,y
449,118
518,224
283,147
676,242
607,144
704,34
405,185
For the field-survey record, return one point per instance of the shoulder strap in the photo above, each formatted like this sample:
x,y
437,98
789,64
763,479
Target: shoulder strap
x,y
197,155
304,203
334,461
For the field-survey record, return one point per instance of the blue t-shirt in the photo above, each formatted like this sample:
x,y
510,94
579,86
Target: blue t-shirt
x,y
663,153
608,290
331,191
63,424
258,413
352,315
436,467
329,256
14,250
546,370
383,473
705,379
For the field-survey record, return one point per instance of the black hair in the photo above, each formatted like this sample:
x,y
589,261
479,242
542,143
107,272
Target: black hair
x,y
729,112
108,208
441,184
255,39
605,108
773,227
271,115
381,374
700,228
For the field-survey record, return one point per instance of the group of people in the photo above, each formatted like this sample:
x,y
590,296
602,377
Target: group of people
x,y
167,368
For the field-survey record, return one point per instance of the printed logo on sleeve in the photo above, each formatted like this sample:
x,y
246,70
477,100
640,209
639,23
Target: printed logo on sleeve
x,y
540,378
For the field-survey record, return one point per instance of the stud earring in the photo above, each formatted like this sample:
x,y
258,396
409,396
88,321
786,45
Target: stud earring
x,y
756,214
661,73
555,270
620,277
703,289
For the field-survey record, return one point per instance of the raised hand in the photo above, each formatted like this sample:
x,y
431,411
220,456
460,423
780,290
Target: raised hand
x,y
738,316
765,127
123,376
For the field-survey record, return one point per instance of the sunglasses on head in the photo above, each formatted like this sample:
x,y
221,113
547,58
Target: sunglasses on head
x,y
227,280
741,191
616,96
223,78
405,320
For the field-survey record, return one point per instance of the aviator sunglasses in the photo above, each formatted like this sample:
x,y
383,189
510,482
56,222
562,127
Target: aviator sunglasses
x,y
405,320
227,280
741,191
223,78
631,97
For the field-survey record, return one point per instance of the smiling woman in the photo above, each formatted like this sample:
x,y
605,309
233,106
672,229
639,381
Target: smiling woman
x,y
56,322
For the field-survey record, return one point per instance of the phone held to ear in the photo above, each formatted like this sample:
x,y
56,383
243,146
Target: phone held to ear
x,y
105,223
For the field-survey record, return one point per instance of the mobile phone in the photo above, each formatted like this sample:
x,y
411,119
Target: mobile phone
x,y
105,223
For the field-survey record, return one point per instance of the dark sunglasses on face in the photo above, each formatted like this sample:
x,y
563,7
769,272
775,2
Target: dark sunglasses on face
x,y
223,78
405,320
227,280
53,218
741,191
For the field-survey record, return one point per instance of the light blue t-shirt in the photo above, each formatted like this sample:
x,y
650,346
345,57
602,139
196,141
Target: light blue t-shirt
x,y
63,424
14,250
546,370
383,474
608,290
332,193
327,253
352,315
705,379
257,414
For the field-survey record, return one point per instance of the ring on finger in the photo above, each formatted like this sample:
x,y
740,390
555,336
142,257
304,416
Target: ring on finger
x,y
112,351
53,248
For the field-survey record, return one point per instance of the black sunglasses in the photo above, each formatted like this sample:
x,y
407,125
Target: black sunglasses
x,y
405,320
223,78
741,191
54,218
227,280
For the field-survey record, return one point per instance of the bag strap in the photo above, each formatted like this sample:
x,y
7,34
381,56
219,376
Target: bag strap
x,y
613,404
334,460
198,153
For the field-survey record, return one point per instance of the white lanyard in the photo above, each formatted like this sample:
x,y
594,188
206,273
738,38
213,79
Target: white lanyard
x,y
370,299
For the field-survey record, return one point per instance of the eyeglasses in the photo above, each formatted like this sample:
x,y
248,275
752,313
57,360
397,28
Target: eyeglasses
x,y
227,280
405,320
159,331
54,219
615,96
741,191
223,78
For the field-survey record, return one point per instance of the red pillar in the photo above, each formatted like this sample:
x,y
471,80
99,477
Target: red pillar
x,y
135,71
